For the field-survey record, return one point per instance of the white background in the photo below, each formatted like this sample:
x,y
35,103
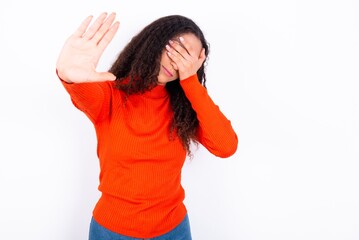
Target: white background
x,y
284,72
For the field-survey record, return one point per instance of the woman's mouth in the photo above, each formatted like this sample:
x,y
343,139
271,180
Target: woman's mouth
x,y
167,72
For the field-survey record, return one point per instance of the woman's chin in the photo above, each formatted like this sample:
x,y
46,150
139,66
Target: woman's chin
x,y
163,81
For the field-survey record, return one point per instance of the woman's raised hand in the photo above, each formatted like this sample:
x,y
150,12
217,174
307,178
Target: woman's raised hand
x,y
81,53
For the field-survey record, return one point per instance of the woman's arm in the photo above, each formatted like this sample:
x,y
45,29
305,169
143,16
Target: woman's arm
x,y
90,91
215,131
92,98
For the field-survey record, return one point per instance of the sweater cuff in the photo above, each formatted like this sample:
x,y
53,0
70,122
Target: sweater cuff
x,y
190,82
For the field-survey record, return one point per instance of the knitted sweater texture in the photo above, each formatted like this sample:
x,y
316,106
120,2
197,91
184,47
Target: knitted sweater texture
x,y
140,167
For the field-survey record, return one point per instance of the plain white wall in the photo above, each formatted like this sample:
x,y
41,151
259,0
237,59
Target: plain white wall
x,y
284,72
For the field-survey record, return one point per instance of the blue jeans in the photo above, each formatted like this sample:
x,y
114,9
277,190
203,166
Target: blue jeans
x,y
181,232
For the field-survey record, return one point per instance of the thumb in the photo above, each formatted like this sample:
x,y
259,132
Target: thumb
x,y
103,76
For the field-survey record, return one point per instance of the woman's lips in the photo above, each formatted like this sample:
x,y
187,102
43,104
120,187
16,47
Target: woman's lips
x,y
168,72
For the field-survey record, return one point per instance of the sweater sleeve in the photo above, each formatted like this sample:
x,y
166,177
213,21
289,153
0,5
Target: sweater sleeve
x,y
92,98
215,131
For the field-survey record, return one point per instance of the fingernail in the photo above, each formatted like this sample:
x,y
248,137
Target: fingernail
x,y
181,39
168,47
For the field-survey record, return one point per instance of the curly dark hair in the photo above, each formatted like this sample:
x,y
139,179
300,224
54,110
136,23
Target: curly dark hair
x,y
140,59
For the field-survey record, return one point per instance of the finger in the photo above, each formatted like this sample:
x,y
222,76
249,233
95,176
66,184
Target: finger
x,y
82,28
95,26
178,48
175,56
102,76
107,38
178,40
176,59
174,65
104,28
186,46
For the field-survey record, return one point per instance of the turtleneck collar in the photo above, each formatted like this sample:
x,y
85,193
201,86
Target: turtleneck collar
x,y
157,92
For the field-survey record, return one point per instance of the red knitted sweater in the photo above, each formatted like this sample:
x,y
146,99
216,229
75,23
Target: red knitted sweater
x,y
140,168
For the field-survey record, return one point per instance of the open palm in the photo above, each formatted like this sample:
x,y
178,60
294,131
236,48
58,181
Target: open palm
x,y
81,52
